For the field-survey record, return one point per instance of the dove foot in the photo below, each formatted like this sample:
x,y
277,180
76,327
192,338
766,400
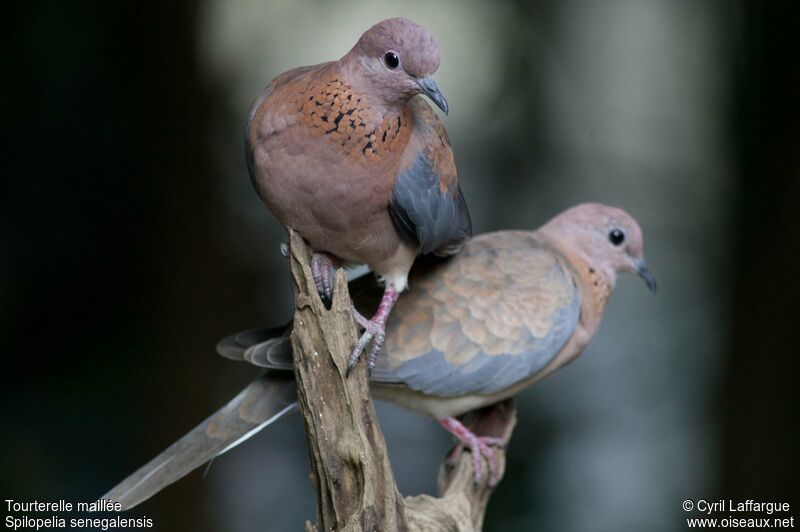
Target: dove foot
x,y
374,329
322,268
478,446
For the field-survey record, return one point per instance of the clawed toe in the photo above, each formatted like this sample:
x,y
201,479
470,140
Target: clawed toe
x,y
322,271
493,441
360,319
479,446
455,452
491,459
373,332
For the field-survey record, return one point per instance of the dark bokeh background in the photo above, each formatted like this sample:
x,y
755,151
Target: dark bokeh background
x,y
130,242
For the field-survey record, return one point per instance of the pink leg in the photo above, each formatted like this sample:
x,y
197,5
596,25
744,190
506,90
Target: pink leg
x,y
478,445
374,329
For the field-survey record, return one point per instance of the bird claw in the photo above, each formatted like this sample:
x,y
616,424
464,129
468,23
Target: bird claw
x,y
360,319
322,271
374,332
479,446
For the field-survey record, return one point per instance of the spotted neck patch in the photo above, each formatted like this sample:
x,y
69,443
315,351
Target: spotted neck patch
x,y
599,287
345,117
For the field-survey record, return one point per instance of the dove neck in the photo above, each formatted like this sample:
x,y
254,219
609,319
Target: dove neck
x,y
594,279
596,284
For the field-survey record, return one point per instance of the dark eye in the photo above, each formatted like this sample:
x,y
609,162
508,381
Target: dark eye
x,y
616,237
392,60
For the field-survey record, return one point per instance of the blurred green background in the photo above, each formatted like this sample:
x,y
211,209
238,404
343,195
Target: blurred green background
x,y
131,242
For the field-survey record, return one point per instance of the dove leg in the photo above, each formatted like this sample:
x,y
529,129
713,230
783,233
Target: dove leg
x,y
374,329
478,446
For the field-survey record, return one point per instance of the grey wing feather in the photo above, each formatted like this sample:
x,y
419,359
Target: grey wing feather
x,y
484,374
261,403
447,374
437,220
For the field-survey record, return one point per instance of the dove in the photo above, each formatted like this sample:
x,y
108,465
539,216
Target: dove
x,y
478,327
350,156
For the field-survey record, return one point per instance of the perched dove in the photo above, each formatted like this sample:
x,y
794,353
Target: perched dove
x,y
510,309
347,156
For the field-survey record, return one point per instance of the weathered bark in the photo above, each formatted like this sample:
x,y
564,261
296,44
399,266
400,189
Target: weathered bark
x,y
350,467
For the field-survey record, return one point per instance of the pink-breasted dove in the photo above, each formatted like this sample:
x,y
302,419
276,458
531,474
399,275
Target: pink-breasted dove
x,y
476,328
345,154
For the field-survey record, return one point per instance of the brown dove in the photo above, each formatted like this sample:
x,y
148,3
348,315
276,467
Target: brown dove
x,y
509,310
345,154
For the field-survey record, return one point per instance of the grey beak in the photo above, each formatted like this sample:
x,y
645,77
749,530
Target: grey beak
x,y
645,274
429,88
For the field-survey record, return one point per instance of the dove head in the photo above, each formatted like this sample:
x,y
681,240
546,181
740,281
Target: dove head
x,y
608,239
396,58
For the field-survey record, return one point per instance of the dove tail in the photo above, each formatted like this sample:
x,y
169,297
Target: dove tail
x,y
261,403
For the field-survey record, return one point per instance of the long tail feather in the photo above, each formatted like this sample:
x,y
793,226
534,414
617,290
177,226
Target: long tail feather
x,y
261,403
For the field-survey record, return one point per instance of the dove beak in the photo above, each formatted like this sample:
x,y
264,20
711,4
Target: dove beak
x,y
645,274
429,88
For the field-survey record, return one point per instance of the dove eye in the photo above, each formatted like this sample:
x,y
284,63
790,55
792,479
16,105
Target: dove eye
x,y
392,60
616,237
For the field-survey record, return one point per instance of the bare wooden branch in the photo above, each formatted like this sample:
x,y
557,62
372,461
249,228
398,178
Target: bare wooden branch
x,y
350,467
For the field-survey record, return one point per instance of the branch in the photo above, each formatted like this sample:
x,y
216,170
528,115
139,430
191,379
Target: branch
x,y
350,467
